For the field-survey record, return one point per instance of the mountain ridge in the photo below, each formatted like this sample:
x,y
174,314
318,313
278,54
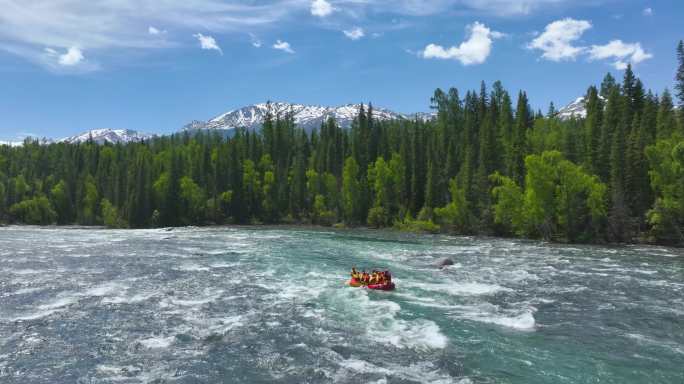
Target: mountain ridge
x,y
306,116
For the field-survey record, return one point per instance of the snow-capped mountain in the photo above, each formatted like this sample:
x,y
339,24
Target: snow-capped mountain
x,y
577,109
308,117
113,136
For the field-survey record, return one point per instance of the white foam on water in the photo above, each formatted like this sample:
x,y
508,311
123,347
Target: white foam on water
x,y
60,302
50,308
188,267
118,372
123,299
196,324
105,289
157,342
423,372
24,291
459,288
23,272
363,366
224,265
383,325
522,322
225,324
208,296
650,341
645,271
521,275
215,252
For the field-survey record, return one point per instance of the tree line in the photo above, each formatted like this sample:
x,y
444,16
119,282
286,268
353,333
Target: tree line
x,y
483,165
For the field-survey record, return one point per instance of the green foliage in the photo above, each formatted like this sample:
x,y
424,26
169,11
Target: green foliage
x,y
350,191
378,217
61,201
110,215
2,200
37,211
508,209
420,226
194,201
455,215
559,199
89,202
321,214
667,177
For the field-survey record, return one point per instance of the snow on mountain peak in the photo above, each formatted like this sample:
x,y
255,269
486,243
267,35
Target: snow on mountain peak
x,y
106,135
575,110
308,117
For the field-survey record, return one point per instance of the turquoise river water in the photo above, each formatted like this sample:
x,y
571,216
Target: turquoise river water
x,y
262,305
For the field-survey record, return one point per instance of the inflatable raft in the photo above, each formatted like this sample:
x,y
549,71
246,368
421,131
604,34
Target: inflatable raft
x,y
378,287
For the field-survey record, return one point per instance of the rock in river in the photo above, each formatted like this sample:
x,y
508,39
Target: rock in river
x,y
443,262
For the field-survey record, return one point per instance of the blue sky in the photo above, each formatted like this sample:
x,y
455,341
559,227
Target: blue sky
x,y
67,66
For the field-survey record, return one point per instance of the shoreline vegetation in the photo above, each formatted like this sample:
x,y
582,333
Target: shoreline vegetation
x,y
481,167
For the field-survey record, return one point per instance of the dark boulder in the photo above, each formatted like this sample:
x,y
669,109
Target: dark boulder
x,y
443,262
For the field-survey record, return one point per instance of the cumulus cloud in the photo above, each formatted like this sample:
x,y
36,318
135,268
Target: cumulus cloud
x,y
648,11
283,46
474,50
355,33
622,53
208,42
556,42
321,8
72,57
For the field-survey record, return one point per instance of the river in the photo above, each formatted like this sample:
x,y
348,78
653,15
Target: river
x,y
261,305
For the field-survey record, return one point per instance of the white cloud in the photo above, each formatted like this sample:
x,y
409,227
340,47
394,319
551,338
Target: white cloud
x,y
354,33
622,53
73,56
208,42
648,11
154,31
256,42
283,46
474,50
556,42
321,8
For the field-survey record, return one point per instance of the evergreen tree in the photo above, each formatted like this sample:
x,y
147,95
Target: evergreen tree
x,y
522,123
592,128
679,85
607,86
